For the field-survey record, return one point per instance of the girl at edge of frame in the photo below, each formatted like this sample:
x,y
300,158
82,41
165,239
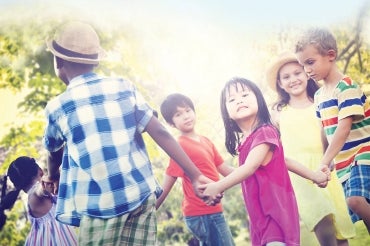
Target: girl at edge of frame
x,y
26,175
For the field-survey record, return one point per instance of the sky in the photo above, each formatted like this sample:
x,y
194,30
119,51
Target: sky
x,y
195,46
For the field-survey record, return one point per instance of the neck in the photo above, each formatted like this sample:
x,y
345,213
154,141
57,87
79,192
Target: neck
x,y
247,125
301,101
191,135
333,77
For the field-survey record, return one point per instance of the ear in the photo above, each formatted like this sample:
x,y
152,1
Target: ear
x,y
332,55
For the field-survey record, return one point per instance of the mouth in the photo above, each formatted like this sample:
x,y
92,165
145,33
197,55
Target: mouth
x,y
241,108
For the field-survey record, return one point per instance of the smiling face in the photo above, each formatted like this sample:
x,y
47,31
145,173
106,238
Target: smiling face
x,y
184,119
316,65
241,103
293,79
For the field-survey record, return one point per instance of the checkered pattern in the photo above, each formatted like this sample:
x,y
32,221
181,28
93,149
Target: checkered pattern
x,y
136,228
106,171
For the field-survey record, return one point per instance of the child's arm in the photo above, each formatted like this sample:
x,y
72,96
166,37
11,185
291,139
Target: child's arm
x,y
225,169
168,183
168,143
318,177
259,155
338,141
54,160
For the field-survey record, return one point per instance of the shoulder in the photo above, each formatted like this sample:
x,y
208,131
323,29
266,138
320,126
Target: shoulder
x,y
268,133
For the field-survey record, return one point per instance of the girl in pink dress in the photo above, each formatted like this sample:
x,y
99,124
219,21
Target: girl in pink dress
x,y
26,175
262,172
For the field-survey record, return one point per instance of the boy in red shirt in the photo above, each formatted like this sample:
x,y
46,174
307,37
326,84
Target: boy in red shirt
x,y
206,223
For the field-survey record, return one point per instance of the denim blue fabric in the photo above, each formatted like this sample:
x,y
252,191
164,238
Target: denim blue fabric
x,y
210,229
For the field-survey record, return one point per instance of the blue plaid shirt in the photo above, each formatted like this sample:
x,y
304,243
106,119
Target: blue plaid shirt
x,y
106,170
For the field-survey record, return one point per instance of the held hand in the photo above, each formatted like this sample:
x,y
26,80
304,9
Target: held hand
x,y
199,186
50,184
211,190
326,171
319,177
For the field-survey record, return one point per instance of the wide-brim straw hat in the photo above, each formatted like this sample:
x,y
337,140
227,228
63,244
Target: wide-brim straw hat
x,y
77,42
275,66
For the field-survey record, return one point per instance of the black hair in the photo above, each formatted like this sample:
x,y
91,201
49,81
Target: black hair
x,y
21,172
170,104
232,130
284,97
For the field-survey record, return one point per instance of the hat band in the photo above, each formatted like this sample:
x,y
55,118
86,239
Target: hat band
x,y
71,53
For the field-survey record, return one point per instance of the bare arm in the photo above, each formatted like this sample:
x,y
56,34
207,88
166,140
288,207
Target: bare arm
x,y
317,177
168,143
167,185
225,169
259,155
338,141
54,160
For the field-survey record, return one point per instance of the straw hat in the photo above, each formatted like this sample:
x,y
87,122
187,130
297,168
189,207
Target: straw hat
x,y
76,42
272,72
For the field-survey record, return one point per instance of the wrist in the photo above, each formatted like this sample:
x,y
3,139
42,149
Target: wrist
x,y
54,176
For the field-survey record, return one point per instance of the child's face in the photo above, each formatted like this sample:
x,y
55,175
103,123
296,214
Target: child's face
x,y
241,103
293,79
317,66
184,119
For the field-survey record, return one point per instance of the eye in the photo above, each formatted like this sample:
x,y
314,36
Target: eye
x,y
245,94
310,62
230,99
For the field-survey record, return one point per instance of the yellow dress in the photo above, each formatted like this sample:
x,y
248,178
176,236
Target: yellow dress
x,y
300,135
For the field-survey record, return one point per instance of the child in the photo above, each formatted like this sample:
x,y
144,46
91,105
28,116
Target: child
x,y
94,140
344,112
178,111
322,210
26,175
268,192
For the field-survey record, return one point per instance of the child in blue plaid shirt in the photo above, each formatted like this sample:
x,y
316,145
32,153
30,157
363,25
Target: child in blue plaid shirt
x,y
94,130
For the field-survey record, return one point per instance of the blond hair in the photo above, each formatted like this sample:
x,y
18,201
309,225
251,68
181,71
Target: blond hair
x,y
322,39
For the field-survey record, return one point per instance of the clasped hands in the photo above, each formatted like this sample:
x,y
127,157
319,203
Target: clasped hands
x,y
322,175
200,186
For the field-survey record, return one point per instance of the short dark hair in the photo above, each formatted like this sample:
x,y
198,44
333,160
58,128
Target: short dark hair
x,y
170,104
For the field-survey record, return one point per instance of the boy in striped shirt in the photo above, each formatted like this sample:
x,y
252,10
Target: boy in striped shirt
x,y
344,113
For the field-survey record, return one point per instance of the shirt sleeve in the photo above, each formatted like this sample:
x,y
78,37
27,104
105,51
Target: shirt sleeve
x,y
265,135
350,102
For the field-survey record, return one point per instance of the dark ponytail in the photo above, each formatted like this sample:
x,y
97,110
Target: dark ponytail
x,y
7,201
21,172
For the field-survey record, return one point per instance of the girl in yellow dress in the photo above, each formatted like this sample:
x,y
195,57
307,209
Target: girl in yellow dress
x,y
322,210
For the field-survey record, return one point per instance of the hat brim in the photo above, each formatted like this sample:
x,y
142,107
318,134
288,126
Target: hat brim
x,y
273,70
101,55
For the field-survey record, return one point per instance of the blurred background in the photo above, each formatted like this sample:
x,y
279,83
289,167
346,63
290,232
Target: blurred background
x,y
192,47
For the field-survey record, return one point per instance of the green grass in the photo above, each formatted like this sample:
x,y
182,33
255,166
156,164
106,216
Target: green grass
x,y
362,237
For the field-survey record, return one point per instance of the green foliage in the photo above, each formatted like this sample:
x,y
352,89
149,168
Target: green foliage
x,y
16,228
25,66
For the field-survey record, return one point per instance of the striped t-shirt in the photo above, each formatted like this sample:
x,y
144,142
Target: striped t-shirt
x,y
347,100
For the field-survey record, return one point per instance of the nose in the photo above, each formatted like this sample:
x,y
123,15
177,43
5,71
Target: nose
x,y
308,70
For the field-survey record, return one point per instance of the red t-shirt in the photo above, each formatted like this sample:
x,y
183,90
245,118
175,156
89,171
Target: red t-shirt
x,y
206,157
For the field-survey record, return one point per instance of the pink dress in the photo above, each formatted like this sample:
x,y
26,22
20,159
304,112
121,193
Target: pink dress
x,y
268,193
47,231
